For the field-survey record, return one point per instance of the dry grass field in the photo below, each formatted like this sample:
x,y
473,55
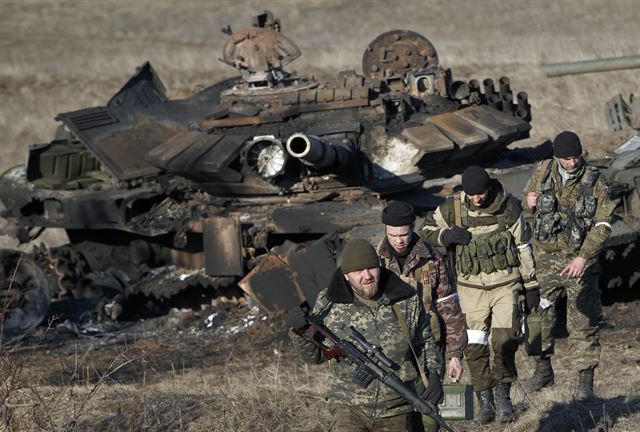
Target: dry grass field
x,y
57,56
174,374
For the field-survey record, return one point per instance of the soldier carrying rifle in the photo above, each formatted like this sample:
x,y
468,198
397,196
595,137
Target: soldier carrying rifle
x,y
380,306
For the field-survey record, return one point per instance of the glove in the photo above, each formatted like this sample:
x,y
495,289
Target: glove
x,y
434,392
456,235
296,317
532,298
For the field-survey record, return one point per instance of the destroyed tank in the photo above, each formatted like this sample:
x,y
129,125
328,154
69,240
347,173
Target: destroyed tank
x,y
248,182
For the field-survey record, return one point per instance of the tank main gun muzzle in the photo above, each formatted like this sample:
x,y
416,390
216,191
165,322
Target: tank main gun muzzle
x,y
314,152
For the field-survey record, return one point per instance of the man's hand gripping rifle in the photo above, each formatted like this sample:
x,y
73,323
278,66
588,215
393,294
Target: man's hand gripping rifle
x,y
370,360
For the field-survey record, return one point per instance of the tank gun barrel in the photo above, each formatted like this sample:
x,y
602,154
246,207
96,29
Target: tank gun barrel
x,y
588,66
315,152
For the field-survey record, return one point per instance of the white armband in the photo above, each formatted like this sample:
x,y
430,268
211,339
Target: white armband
x,y
524,245
607,224
453,296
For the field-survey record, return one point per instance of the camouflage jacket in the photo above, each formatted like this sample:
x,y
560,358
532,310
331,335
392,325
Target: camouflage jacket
x,y
426,271
566,195
503,204
338,306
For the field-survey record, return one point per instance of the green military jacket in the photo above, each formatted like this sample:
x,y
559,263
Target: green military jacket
x,y
338,306
566,195
503,205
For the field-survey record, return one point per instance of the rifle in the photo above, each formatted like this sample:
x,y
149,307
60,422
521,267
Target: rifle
x,y
371,362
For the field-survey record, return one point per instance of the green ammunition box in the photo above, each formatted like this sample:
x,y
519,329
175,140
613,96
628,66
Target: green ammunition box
x,y
457,403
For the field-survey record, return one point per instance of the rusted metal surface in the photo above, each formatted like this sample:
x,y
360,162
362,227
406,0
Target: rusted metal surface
x,y
259,49
492,122
223,246
312,268
272,285
459,130
217,182
164,153
431,143
187,260
397,52
284,282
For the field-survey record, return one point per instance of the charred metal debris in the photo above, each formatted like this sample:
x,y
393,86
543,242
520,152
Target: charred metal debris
x,y
250,183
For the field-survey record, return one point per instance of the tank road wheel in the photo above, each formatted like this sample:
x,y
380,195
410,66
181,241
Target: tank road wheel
x,y
24,293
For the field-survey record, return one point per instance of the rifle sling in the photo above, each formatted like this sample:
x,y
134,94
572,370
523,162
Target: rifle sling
x,y
407,335
457,219
457,209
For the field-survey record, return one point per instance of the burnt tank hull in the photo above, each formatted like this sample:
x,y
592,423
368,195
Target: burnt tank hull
x,y
254,177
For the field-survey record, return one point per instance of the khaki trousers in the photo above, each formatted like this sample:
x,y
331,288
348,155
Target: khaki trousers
x,y
492,317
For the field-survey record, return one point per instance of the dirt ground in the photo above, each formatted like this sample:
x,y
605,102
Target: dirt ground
x,y
233,368
174,372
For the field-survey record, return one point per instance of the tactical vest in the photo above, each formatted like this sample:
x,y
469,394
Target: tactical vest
x,y
575,220
489,252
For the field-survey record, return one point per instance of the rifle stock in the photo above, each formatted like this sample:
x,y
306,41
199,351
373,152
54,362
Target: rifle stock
x,y
371,363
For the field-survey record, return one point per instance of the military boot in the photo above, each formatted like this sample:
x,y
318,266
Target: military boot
x,y
487,411
504,408
584,390
542,376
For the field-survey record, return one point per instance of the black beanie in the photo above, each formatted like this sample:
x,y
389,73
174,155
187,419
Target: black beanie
x,y
358,254
475,180
567,144
398,214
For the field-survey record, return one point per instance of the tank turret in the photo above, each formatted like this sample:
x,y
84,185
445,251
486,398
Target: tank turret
x,y
253,168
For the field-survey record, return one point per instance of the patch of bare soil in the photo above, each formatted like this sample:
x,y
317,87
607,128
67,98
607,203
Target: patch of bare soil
x,y
232,368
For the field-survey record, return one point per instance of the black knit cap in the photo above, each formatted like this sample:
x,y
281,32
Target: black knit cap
x,y
567,144
398,214
358,254
475,180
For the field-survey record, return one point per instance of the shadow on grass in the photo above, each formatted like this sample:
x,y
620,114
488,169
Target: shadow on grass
x,y
591,415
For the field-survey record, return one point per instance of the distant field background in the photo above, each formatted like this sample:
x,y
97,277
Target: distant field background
x,y
66,55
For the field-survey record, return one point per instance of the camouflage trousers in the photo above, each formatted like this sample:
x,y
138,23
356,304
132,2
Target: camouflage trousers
x,y
492,317
347,418
583,307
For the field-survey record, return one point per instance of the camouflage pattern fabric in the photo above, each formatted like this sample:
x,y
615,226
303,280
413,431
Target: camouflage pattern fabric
x,y
583,308
426,270
338,306
567,195
491,312
348,419
583,295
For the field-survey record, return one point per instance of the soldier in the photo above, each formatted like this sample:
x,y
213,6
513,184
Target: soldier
x,y
378,304
403,252
572,221
489,238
